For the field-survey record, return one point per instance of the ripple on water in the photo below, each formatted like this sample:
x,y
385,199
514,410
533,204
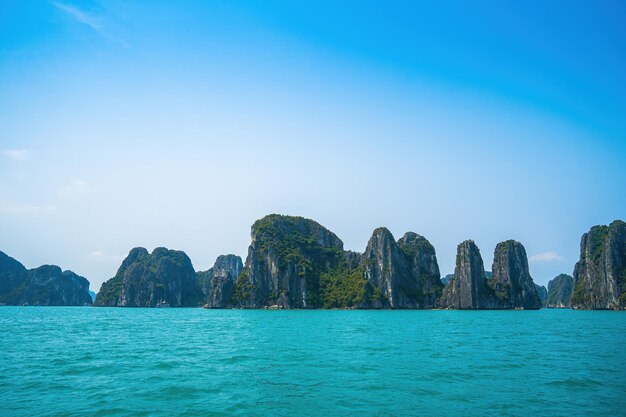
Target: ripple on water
x,y
576,383
119,362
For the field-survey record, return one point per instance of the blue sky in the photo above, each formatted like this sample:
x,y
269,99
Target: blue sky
x,y
178,124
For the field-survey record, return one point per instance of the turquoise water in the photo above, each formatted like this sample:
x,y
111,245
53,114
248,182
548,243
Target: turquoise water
x,y
58,361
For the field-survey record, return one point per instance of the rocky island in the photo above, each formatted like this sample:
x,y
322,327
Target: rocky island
x,y
218,283
542,292
600,274
161,278
46,285
294,262
468,289
560,291
509,287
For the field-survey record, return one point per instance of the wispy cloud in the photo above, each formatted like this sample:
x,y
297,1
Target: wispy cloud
x,y
16,154
27,209
546,257
96,23
80,15
74,188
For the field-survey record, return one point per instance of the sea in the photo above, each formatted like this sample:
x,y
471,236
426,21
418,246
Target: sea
x,y
84,361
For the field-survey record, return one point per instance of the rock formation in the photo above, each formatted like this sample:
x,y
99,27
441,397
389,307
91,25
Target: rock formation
x,y
47,285
468,289
424,273
512,283
560,291
387,272
285,260
218,283
445,280
162,278
344,286
542,292
296,263
600,274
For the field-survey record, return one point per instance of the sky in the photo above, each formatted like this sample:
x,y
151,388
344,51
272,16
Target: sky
x,y
178,124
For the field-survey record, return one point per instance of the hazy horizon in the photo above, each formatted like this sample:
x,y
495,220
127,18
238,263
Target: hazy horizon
x,y
178,125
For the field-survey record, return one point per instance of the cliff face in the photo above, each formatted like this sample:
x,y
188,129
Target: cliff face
x,y
512,283
445,280
285,261
600,274
468,289
423,269
218,283
12,279
296,263
542,292
560,291
47,285
387,273
164,277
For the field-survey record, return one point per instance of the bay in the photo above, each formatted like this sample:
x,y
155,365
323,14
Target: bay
x,y
79,361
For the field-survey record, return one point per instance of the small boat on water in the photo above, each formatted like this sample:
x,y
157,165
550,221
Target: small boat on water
x,y
162,304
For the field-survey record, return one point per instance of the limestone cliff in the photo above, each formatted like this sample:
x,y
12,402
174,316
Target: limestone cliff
x,y
285,260
445,280
423,269
387,272
542,292
511,281
297,263
218,283
46,285
560,291
600,274
468,289
163,278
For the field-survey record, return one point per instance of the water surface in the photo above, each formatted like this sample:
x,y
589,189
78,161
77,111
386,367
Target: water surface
x,y
77,361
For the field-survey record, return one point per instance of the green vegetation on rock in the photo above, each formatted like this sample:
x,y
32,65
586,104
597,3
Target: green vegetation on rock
x,y
242,289
109,291
343,287
148,280
597,240
560,291
287,257
46,285
579,295
600,274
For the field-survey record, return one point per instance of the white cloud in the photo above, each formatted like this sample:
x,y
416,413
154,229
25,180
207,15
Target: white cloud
x,y
16,154
81,16
74,188
27,209
94,22
546,257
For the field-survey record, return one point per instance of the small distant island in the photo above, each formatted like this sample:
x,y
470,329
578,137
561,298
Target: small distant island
x,y
47,285
294,262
